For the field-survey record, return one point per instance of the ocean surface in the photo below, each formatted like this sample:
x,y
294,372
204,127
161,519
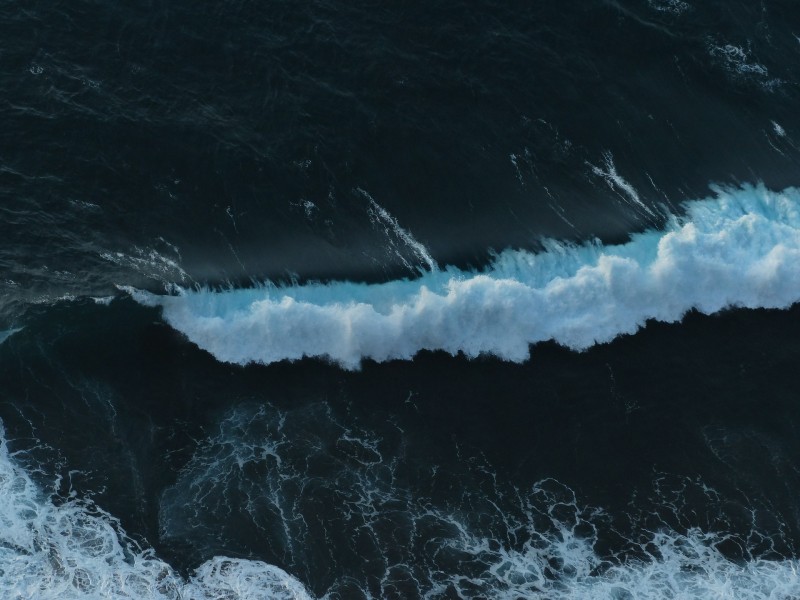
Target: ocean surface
x,y
396,300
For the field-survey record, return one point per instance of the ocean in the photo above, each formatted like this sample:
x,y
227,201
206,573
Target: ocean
x,y
397,300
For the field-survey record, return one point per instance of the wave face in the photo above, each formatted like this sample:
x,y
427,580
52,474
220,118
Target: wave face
x,y
73,549
740,248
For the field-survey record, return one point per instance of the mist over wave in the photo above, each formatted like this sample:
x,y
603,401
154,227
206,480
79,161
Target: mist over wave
x,y
740,248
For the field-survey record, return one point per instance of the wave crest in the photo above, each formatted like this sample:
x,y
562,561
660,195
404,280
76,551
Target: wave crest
x,y
738,249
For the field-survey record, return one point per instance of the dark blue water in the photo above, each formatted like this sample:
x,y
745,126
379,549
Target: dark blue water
x,y
400,300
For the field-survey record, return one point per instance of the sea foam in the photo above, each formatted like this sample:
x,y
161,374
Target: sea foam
x,y
482,538
74,550
740,248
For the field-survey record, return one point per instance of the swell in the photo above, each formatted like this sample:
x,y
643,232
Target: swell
x,y
740,248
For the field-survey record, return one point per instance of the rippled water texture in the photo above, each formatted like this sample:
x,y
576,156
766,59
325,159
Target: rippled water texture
x,y
399,300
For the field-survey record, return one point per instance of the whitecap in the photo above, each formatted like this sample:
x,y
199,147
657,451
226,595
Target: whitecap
x,y
738,249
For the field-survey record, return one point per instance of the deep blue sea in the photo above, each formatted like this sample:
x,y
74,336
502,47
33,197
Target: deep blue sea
x,y
381,300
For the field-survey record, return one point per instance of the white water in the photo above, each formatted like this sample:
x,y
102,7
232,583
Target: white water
x,y
483,541
73,550
396,236
688,568
738,249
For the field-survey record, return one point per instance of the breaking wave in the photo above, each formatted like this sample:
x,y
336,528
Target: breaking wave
x,y
740,248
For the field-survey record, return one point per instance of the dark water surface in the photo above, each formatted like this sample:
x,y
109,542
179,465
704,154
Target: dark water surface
x,y
165,165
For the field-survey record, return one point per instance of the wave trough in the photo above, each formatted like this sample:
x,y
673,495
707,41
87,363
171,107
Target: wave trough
x,y
740,248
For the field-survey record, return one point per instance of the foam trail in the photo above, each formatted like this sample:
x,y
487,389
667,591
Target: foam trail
x,y
488,541
738,249
616,182
74,550
391,227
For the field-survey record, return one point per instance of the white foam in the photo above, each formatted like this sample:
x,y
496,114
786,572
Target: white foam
x,y
485,541
617,183
74,550
738,59
675,7
558,560
563,565
150,263
395,234
738,62
739,249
